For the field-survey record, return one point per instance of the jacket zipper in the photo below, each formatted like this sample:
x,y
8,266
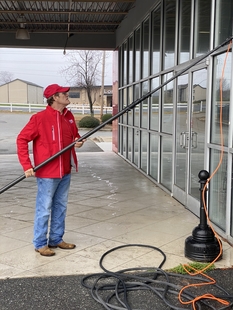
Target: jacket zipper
x,y
59,141
53,134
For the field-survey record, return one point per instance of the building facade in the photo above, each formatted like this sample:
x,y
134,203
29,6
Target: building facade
x,y
19,91
78,95
185,126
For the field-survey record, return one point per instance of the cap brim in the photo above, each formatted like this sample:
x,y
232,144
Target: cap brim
x,y
64,89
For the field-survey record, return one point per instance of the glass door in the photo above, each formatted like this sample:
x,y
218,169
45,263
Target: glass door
x,y
190,137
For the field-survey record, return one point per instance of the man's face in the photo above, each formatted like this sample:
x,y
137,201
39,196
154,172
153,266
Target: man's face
x,y
63,98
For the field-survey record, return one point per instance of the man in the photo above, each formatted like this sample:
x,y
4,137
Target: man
x,y
50,130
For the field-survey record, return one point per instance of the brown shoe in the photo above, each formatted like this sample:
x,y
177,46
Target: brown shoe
x,y
45,251
63,245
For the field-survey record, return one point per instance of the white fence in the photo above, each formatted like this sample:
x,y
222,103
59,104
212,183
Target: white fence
x,y
28,107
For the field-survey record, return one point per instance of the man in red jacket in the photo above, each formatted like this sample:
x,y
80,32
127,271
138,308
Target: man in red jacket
x,y
51,130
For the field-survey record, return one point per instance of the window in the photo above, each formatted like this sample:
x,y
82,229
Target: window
x,y
74,94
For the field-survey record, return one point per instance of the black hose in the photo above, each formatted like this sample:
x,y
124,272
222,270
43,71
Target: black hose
x,y
112,289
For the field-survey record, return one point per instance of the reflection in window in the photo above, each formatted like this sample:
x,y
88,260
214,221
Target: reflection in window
x,y
136,109
130,62
136,146
182,133
156,18
153,156
169,26
124,64
124,153
125,103
137,55
154,110
144,152
167,105
197,135
185,22
221,109
129,142
218,190
130,100
166,165
202,27
223,20
146,58
144,106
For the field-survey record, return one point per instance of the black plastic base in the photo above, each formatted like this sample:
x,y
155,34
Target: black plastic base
x,y
202,246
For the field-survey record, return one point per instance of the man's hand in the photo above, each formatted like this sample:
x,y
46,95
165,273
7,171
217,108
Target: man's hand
x,y
80,143
29,173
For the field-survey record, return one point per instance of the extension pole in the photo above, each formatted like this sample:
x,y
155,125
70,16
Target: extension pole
x,y
123,111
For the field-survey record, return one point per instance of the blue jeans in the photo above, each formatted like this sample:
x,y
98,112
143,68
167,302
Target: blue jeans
x,y
51,200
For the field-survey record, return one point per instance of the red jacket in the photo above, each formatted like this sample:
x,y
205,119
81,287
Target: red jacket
x,y
44,129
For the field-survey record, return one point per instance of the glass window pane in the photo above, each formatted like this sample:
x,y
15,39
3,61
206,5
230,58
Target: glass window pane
x,y
166,164
144,152
223,20
220,110
144,106
182,132
198,119
125,103
124,141
120,67
129,144
232,200
120,105
136,145
154,99
185,23
145,55
153,170
167,105
156,20
124,64
217,190
169,31
130,100
202,27
137,55
137,107
130,63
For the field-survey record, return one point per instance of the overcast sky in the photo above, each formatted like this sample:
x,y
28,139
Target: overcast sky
x,y
41,66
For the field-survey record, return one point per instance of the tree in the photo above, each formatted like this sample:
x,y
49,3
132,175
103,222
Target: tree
x,y
6,77
84,71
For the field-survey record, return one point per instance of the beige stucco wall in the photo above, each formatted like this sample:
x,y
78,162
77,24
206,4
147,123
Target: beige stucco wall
x,y
21,92
35,95
4,96
17,92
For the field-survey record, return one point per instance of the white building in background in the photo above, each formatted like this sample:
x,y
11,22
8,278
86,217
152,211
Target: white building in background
x,y
20,91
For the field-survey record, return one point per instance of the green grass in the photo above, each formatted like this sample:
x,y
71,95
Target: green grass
x,y
198,266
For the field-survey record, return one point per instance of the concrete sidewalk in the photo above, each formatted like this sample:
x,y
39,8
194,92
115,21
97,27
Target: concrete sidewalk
x,y
110,204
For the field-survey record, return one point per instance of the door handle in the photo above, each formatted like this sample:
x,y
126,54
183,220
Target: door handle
x,y
184,139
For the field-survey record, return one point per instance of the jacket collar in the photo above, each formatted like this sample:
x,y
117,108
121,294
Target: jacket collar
x,y
53,111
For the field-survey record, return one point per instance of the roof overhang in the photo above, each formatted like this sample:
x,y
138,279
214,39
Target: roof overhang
x,y
54,24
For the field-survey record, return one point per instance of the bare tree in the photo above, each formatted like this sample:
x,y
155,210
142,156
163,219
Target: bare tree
x,y
84,70
6,77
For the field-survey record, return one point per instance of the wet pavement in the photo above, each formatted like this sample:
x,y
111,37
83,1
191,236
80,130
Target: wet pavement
x,y
111,204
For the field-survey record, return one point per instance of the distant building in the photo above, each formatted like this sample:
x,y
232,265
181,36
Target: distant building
x,y
20,91
78,95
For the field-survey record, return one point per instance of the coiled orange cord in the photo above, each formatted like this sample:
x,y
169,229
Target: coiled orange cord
x,y
201,272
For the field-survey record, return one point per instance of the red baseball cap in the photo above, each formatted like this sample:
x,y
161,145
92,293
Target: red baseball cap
x,y
53,89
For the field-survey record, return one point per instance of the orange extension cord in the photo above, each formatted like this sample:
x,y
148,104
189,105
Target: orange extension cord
x,y
198,272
